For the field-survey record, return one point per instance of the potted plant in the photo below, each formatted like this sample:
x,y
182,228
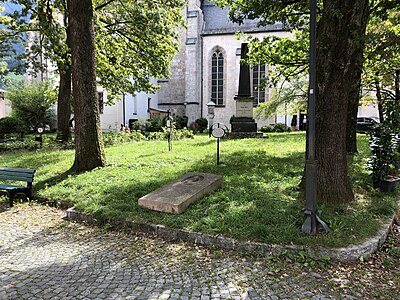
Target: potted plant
x,y
384,162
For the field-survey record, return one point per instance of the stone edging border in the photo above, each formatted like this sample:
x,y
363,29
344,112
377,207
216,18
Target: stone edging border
x,y
345,254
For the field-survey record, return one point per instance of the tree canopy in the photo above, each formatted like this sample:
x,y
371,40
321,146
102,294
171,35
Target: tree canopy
x,y
340,38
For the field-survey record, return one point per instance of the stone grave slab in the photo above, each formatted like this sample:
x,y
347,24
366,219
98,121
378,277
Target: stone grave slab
x,y
177,195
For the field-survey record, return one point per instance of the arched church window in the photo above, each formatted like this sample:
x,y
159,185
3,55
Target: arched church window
x,y
258,84
217,77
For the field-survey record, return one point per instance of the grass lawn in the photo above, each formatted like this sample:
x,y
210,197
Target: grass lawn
x,y
259,200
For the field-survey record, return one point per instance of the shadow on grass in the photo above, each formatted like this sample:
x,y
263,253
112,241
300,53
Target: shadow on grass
x,y
257,201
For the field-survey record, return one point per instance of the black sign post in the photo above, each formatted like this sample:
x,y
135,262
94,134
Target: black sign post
x,y
169,125
39,132
218,131
310,225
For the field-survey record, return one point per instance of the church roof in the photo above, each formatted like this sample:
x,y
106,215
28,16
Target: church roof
x,y
216,21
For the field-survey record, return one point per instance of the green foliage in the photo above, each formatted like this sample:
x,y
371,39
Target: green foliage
x,y
382,61
385,157
289,98
10,125
32,103
176,134
279,127
267,128
27,144
194,127
135,41
180,121
154,124
121,137
202,123
264,191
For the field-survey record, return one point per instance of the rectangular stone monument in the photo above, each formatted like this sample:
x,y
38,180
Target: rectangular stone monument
x,y
243,124
177,195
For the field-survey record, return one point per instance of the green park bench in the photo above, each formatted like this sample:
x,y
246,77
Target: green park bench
x,y
16,174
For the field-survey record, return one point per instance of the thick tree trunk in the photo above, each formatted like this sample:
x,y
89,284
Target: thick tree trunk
x,y
379,99
89,149
339,33
351,126
64,104
64,92
396,104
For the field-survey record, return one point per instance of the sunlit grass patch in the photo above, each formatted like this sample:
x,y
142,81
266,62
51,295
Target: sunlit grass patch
x,y
259,199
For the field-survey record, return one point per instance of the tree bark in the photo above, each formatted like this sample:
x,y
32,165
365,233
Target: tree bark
x,y
351,126
338,36
89,149
379,98
64,104
65,89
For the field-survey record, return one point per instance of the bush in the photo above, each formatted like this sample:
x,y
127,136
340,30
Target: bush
x,y
202,123
176,134
154,124
279,127
19,145
267,128
32,103
10,125
181,121
121,137
138,125
194,127
385,158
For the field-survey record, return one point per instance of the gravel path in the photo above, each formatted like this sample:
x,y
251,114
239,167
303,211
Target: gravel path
x,y
44,257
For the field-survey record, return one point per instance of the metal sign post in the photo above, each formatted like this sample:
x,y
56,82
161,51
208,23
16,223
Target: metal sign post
x,y
310,225
39,133
218,131
169,125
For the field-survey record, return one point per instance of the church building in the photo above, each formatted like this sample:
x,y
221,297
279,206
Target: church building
x,y
206,68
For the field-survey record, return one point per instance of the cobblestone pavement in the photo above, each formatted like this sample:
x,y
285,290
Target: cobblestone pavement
x,y
44,257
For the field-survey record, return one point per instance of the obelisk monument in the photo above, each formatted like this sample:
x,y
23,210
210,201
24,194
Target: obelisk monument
x,y
243,124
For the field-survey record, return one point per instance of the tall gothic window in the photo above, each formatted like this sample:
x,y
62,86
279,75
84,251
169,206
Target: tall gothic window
x,y
258,82
217,77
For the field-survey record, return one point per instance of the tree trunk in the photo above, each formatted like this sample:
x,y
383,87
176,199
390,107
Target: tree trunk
x,y
351,126
64,104
339,33
89,149
64,92
379,98
396,104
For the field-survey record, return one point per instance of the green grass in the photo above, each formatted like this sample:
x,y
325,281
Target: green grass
x,y
259,200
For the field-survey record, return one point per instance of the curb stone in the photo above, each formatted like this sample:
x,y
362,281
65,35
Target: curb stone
x,y
343,254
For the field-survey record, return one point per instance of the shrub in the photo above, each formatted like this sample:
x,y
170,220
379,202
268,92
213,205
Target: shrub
x,y
121,137
384,161
176,134
18,145
138,125
202,123
32,103
267,128
279,127
10,125
181,121
194,127
154,124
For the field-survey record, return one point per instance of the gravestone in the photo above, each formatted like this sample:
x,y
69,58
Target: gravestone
x,y
177,195
243,124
